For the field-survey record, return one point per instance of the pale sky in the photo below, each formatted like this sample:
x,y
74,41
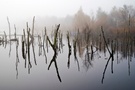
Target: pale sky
x,y
23,10
59,8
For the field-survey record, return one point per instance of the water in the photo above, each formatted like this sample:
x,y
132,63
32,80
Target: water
x,y
89,76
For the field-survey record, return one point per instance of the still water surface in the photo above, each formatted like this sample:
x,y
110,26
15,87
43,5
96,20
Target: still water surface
x,y
88,78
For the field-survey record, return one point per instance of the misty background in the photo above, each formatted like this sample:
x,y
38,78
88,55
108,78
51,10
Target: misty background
x,y
72,15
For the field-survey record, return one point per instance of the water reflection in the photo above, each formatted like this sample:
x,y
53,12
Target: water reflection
x,y
44,37
69,49
55,49
17,58
84,45
75,50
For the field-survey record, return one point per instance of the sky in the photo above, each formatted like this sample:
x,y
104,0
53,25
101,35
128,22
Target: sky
x,y
23,10
59,8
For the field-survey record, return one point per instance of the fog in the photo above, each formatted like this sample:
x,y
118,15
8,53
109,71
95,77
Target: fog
x,y
99,41
50,12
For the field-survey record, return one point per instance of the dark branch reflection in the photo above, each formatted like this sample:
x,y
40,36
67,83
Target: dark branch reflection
x,y
75,50
87,46
44,46
17,58
105,69
55,49
69,51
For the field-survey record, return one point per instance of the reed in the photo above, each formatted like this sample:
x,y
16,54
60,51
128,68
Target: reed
x,y
105,40
23,49
17,59
33,26
9,35
5,38
75,50
46,39
44,46
15,31
60,41
32,40
34,53
28,49
9,28
40,45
